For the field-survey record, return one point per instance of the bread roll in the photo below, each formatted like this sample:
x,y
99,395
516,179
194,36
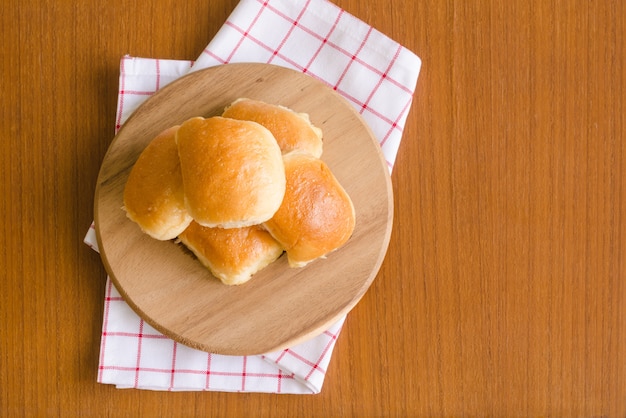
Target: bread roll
x,y
292,130
153,195
232,255
233,173
316,216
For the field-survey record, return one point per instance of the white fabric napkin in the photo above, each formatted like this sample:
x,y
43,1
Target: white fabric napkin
x,y
374,73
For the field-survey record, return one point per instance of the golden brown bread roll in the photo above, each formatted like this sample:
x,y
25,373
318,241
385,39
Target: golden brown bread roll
x,y
232,255
316,216
292,130
153,195
233,173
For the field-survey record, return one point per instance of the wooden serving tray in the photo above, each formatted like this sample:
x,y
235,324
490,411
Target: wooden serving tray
x,y
280,306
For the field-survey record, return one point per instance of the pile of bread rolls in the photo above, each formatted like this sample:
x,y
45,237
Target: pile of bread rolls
x,y
241,189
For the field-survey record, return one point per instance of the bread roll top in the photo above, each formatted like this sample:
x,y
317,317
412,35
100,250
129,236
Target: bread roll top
x,y
153,194
316,216
293,131
232,170
232,255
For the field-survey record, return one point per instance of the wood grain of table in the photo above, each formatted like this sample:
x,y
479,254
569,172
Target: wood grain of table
x,y
502,293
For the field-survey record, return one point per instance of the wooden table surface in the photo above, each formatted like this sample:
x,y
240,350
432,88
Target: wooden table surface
x,y
503,290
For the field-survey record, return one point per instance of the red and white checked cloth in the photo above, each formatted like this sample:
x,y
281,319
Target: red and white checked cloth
x,y
373,72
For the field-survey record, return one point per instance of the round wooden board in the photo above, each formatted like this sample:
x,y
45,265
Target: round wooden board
x,y
280,306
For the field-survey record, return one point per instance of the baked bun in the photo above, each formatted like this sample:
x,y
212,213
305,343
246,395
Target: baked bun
x,y
292,130
232,255
153,195
316,216
233,173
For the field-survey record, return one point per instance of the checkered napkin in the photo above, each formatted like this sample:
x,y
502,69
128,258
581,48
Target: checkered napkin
x,y
374,73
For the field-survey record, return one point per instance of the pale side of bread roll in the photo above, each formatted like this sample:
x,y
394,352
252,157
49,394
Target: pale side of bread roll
x,y
153,194
316,216
233,173
292,130
232,255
